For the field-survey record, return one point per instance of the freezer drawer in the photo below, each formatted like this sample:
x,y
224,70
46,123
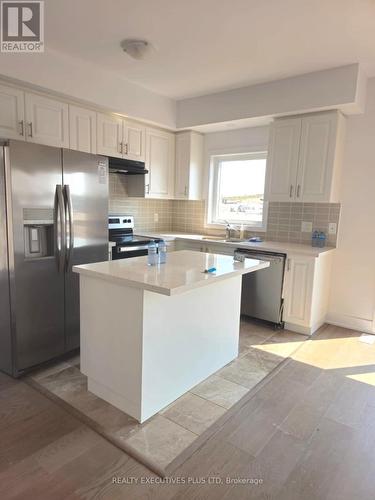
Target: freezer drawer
x,y
262,291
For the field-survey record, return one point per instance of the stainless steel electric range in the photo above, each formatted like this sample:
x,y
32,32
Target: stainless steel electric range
x,y
120,228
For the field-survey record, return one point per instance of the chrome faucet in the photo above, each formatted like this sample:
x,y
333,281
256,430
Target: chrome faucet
x,y
228,230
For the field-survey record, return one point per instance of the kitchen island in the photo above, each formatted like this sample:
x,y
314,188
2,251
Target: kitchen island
x,y
151,333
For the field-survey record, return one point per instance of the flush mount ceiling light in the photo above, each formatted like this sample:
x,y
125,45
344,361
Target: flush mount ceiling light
x,y
137,49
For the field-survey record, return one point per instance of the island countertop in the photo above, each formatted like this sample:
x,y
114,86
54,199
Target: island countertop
x,y
183,271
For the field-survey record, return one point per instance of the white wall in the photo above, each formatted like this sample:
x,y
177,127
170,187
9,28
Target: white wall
x,y
340,87
250,139
233,141
352,301
81,80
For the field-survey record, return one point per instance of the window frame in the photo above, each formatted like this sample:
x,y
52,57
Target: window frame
x,y
213,181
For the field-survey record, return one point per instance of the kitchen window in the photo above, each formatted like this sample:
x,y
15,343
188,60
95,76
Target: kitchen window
x,y
237,186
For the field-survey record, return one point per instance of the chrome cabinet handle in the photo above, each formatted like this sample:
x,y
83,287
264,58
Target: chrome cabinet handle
x,y
21,129
120,148
126,148
186,191
298,190
148,188
291,191
59,228
288,265
69,228
30,129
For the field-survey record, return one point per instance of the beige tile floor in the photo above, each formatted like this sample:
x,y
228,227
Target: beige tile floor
x,y
166,435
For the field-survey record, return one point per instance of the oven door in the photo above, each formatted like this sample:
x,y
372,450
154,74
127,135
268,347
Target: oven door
x,y
127,251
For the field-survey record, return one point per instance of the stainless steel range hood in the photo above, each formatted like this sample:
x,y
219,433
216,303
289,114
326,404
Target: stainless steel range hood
x,y
126,167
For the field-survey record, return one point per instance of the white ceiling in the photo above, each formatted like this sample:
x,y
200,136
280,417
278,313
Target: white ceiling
x,y
203,46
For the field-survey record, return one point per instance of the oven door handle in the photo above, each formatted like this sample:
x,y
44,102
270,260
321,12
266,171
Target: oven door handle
x,y
131,248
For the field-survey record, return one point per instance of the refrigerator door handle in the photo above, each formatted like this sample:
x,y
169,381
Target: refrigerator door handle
x,y
69,226
59,226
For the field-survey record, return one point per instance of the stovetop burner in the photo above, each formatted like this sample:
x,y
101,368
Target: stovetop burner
x,y
120,228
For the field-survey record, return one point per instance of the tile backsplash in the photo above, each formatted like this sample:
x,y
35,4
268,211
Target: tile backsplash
x,y
283,224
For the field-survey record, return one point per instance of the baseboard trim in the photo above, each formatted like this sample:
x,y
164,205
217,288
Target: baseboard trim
x,y
350,322
304,330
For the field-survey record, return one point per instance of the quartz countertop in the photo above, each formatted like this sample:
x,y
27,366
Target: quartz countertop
x,y
268,246
183,271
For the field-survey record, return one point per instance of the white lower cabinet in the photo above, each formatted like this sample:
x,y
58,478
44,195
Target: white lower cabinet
x,y
299,279
306,292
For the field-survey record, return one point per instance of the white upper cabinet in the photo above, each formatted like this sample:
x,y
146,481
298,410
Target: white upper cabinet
x,y
304,158
160,152
47,121
189,166
82,129
317,157
134,141
282,162
109,135
121,137
12,118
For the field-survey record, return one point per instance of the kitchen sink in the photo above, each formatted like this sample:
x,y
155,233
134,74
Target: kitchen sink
x,y
223,240
213,238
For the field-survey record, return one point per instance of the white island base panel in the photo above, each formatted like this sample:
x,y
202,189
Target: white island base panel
x,y
142,350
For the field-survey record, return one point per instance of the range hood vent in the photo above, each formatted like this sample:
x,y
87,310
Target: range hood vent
x,y
126,167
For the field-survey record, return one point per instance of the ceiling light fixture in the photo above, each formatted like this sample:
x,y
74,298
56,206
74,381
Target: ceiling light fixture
x,y
137,49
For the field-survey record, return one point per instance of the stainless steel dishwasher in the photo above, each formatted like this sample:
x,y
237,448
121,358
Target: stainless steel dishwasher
x,y
262,291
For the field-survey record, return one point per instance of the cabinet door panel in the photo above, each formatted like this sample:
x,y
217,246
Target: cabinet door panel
x,y
182,165
82,129
282,161
160,163
109,135
298,290
318,138
12,119
47,121
135,141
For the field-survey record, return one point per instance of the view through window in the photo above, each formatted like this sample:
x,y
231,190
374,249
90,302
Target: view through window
x,y
238,189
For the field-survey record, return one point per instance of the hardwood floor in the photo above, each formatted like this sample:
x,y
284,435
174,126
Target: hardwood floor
x,y
309,433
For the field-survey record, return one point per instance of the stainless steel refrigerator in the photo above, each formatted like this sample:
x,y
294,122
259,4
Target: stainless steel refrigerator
x,y
53,215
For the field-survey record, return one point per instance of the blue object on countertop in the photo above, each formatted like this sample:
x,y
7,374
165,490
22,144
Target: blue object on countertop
x,y
211,270
255,239
315,239
322,240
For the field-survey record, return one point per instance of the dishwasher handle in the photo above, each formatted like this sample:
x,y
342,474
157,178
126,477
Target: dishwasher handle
x,y
240,256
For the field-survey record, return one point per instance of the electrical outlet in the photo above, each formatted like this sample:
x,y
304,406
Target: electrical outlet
x,y
306,227
156,217
332,228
